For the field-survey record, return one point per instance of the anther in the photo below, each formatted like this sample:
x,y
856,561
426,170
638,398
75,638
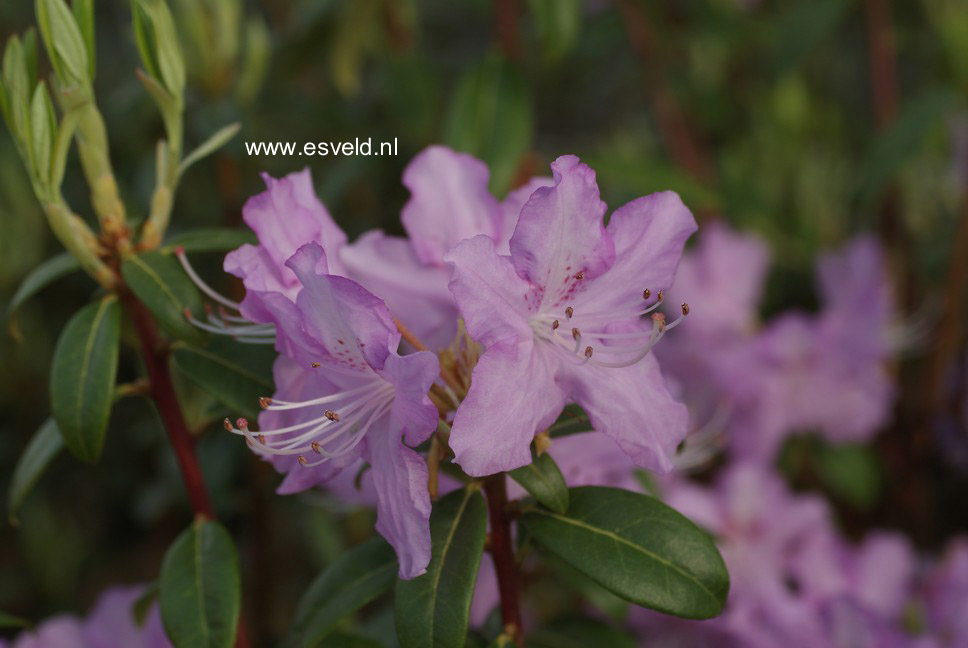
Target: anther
x,y
659,295
331,415
555,325
315,446
685,308
315,365
187,312
575,334
227,424
262,439
580,276
302,460
569,312
646,294
264,402
588,352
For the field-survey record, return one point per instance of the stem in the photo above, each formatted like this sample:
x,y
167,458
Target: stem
x,y
162,390
502,551
506,14
155,356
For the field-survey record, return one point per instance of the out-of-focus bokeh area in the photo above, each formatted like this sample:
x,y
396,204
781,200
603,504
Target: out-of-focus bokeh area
x,y
806,122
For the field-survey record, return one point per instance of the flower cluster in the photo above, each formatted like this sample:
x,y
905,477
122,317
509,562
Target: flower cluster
x,y
553,308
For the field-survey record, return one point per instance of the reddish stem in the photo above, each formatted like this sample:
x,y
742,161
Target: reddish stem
x,y
506,14
155,355
502,551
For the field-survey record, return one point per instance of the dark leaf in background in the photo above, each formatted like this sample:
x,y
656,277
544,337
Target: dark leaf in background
x,y
543,480
162,285
432,610
210,240
354,579
236,374
638,548
50,270
558,23
83,374
200,588
11,621
579,632
491,117
43,447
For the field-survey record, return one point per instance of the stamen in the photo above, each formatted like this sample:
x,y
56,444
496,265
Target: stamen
x,y
569,312
685,309
580,275
588,352
555,325
227,424
265,402
331,415
315,365
197,280
646,294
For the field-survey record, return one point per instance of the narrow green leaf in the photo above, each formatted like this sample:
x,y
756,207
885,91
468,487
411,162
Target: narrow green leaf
x,y
558,23
84,15
544,481
11,621
491,117
894,147
162,285
354,579
41,137
433,609
636,547
200,588
212,144
65,45
210,240
47,272
82,376
144,38
142,604
41,450
237,375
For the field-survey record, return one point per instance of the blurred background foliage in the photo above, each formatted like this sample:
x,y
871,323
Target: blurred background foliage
x,y
806,121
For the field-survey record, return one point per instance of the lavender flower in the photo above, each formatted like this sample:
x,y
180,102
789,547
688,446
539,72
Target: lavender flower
x,y
561,321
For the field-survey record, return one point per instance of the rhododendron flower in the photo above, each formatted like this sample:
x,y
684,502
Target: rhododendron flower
x,y
945,597
826,372
561,320
111,624
449,202
343,393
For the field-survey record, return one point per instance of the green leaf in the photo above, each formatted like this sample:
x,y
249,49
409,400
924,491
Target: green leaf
x,y
82,376
433,609
354,579
84,15
200,592
47,272
850,472
212,144
558,23
144,37
162,285
41,136
65,45
210,240
491,117
893,148
11,621
543,480
346,640
41,450
579,632
237,375
636,547
803,26
142,605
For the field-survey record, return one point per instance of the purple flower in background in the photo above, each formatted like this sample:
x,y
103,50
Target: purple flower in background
x,y
824,372
945,597
343,393
561,320
111,624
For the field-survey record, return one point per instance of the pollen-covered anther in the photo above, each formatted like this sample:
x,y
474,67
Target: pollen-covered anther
x,y
580,276
575,334
187,313
569,312
555,325
265,402
242,424
660,296
685,309
331,415
646,294
227,424
315,365
262,439
315,446
588,352
302,460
